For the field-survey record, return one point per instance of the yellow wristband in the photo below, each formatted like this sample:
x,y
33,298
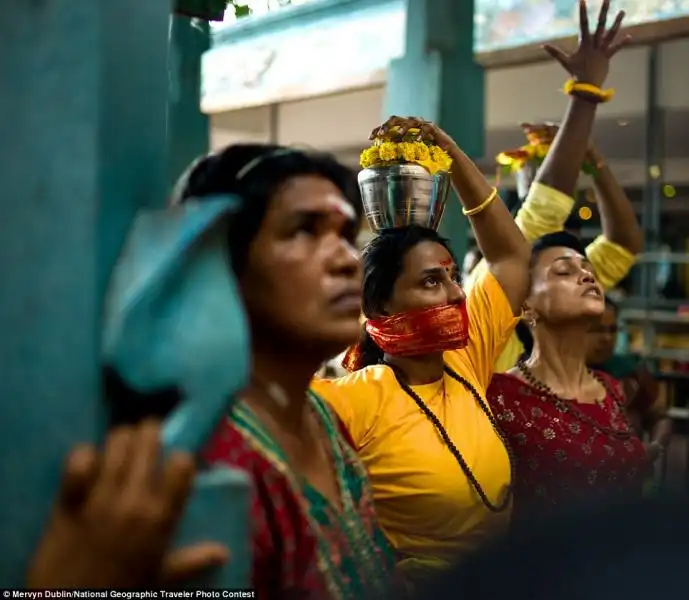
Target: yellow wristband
x,y
470,212
573,87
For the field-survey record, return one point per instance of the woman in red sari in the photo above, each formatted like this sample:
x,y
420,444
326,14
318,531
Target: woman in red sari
x,y
291,245
565,423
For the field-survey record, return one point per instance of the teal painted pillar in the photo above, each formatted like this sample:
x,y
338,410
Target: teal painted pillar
x,y
438,79
188,135
83,105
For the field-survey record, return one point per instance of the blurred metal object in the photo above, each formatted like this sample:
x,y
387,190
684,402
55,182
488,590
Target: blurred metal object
x,y
404,194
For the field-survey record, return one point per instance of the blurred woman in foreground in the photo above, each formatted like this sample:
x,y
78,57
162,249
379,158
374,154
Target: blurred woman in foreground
x,y
291,248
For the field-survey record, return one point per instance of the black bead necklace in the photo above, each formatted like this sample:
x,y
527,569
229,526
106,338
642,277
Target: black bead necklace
x,y
428,413
623,433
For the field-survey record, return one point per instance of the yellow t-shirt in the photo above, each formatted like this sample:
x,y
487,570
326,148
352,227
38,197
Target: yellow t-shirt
x,y
544,211
425,503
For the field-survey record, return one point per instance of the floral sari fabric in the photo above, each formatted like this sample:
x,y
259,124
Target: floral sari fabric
x,y
567,459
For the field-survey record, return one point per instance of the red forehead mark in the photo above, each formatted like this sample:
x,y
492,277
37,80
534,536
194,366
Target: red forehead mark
x,y
446,263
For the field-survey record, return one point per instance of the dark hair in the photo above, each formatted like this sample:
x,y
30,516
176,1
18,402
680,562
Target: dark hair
x,y
573,222
557,239
512,200
383,261
267,167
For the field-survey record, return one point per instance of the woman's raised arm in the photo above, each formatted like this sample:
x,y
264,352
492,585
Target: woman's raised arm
x,y
500,240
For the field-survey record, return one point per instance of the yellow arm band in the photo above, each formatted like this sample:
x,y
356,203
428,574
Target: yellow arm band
x,y
572,88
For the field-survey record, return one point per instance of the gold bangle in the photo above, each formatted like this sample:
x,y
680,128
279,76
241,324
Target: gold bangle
x,y
470,212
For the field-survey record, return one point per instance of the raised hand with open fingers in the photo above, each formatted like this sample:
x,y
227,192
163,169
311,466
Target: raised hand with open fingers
x,y
590,62
114,519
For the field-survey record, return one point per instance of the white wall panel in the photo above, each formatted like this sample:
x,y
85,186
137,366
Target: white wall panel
x,y
246,125
674,74
329,122
534,92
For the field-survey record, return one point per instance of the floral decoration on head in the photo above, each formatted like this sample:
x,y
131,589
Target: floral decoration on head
x,y
390,149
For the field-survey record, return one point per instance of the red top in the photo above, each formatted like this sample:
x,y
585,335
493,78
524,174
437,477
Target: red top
x,y
564,461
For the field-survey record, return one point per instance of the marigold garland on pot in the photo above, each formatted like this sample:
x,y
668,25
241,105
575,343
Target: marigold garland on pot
x,y
386,152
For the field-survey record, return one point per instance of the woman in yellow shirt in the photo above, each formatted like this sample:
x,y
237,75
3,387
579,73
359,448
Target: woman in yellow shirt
x,y
415,407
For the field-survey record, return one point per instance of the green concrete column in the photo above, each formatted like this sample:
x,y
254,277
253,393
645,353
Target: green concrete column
x,y
438,79
187,126
83,105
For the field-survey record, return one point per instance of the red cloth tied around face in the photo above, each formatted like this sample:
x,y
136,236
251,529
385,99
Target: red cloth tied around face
x,y
415,333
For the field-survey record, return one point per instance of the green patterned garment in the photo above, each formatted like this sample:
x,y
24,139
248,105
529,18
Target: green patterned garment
x,y
353,559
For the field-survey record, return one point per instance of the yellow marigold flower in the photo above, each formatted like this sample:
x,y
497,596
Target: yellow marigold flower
x,y
441,158
384,152
387,151
422,152
407,151
369,157
436,153
541,150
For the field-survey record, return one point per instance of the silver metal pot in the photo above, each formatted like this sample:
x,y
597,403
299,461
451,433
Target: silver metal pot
x,y
404,194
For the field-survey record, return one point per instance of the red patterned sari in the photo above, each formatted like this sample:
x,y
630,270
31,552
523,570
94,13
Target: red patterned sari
x,y
565,461
304,548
